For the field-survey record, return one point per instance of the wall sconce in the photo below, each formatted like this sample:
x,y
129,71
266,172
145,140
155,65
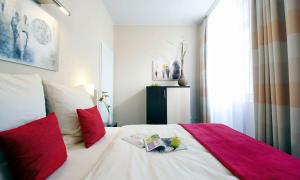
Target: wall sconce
x,y
90,88
59,4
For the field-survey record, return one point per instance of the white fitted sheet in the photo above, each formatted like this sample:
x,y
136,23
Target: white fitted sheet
x,y
123,161
111,158
82,160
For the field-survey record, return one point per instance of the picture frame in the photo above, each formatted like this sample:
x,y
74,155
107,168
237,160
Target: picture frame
x,y
28,35
163,70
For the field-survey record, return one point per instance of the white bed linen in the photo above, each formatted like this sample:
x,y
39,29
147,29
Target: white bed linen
x,y
81,160
123,161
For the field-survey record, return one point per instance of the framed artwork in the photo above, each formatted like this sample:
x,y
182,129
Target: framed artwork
x,y
165,70
28,34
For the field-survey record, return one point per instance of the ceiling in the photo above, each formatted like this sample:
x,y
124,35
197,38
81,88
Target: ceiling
x,y
158,12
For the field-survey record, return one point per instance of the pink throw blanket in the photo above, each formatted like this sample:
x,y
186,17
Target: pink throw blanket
x,y
244,156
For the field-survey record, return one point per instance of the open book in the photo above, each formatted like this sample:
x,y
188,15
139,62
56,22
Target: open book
x,y
155,143
136,139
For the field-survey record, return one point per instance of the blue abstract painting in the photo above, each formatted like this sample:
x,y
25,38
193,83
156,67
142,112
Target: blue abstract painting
x,y
28,34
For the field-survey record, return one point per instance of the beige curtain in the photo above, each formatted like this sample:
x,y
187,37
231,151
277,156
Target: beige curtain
x,y
276,68
203,78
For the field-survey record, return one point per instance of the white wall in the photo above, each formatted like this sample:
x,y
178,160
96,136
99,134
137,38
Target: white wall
x,y
80,37
135,49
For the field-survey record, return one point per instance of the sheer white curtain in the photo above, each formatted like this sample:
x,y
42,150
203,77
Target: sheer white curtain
x,y
229,68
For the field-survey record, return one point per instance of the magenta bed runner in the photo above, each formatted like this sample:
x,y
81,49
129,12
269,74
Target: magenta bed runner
x,y
244,156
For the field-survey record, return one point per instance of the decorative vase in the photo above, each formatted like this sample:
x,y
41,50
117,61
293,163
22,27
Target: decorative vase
x,y
176,70
182,81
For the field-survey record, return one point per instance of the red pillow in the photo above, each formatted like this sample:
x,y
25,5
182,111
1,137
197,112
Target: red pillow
x,y
34,150
92,127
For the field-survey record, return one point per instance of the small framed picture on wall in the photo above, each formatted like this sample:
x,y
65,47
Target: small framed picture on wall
x,y
164,70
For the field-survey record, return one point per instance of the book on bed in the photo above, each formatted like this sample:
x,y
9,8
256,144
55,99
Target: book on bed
x,y
155,143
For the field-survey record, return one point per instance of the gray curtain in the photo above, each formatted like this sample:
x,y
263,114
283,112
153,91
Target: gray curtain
x,y
276,69
203,78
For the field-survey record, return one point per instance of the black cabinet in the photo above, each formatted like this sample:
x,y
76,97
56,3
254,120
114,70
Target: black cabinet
x,y
156,105
168,104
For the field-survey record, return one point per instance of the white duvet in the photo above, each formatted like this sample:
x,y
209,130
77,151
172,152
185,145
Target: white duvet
x,y
114,159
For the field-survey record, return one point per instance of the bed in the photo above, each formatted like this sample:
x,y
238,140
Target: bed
x,y
213,151
114,159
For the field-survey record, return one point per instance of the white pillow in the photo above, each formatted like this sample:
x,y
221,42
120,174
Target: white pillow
x,y
64,101
21,100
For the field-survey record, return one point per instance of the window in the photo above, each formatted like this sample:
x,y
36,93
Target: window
x,y
229,68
